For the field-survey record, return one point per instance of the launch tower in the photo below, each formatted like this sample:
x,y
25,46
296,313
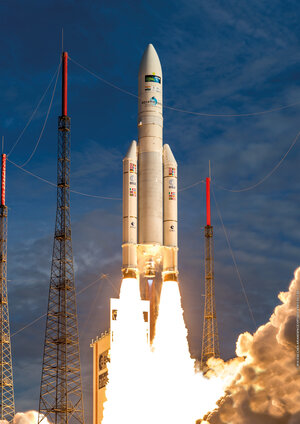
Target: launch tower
x,y
210,340
61,398
7,402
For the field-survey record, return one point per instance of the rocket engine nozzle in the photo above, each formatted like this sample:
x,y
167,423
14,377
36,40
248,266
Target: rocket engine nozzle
x,y
129,273
150,268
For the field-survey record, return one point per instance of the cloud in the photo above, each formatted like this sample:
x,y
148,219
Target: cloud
x,y
267,387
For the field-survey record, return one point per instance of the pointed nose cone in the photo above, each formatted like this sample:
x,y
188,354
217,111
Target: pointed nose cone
x,y
150,63
132,151
168,155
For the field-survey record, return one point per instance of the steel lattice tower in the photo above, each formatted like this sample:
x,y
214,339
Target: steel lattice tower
x,y
7,402
61,399
210,339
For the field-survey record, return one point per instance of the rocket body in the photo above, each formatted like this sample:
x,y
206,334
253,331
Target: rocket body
x,y
150,133
150,184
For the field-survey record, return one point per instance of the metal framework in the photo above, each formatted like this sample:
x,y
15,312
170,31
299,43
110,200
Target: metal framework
x,y
61,399
210,339
7,402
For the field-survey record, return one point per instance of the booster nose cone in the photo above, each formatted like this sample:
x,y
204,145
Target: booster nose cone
x,y
150,63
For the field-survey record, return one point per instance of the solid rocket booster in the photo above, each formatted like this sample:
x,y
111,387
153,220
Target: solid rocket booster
x,y
150,184
170,215
130,212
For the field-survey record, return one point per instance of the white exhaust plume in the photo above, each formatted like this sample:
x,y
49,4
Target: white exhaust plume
x,y
182,396
261,385
127,389
267,388
159,386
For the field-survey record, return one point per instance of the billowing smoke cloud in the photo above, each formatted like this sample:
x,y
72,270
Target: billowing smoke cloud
x,y
266,390
29,417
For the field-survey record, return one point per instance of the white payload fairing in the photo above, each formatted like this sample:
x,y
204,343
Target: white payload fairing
x,y
150,184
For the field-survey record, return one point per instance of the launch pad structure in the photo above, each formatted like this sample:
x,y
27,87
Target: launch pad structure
x,y
101,356
7,402
61,400
210,339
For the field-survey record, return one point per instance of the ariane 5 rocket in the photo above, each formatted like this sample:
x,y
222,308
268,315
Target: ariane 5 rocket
x,y
150,185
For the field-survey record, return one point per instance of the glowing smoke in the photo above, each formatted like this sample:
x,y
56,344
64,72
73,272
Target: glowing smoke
x,y
29,417
267,388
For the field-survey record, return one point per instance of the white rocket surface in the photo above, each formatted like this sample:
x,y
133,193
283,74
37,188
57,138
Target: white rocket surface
x,y
150,184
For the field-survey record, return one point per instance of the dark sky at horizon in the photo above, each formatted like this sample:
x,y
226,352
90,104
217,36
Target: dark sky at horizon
x,y
217,58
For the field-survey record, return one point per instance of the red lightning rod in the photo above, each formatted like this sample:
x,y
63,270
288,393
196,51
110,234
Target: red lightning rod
x,y
3,178
65,84
208,222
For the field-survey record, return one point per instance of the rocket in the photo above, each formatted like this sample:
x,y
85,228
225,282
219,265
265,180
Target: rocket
x,y
150,185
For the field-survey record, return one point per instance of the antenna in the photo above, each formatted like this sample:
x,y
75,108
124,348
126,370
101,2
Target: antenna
x,y
3,178
210,338
61,399
208,217
64,84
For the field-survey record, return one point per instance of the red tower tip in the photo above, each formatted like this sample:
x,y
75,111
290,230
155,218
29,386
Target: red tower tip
x,y
208,221
3,179
65,84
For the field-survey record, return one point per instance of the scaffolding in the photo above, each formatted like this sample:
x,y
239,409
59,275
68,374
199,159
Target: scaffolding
x,y
210,339
7,405
61,399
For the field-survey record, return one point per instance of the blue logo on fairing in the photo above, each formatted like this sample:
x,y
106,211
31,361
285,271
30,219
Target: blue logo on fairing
x,y
153,101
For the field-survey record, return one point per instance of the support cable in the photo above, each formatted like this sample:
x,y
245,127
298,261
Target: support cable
x,y
34,112
251,187
55,185
102,277
234,260
220,115
192,185
103,80
45,122
266,176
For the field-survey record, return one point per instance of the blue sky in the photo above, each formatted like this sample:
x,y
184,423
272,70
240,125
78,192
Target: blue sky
x,y
217,58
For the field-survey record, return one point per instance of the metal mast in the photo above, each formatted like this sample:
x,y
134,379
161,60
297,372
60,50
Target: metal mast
x,y
7,402
210,339
61,399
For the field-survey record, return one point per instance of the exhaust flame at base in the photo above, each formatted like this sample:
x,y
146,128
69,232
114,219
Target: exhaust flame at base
x,y
183,396
127,387
158,385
